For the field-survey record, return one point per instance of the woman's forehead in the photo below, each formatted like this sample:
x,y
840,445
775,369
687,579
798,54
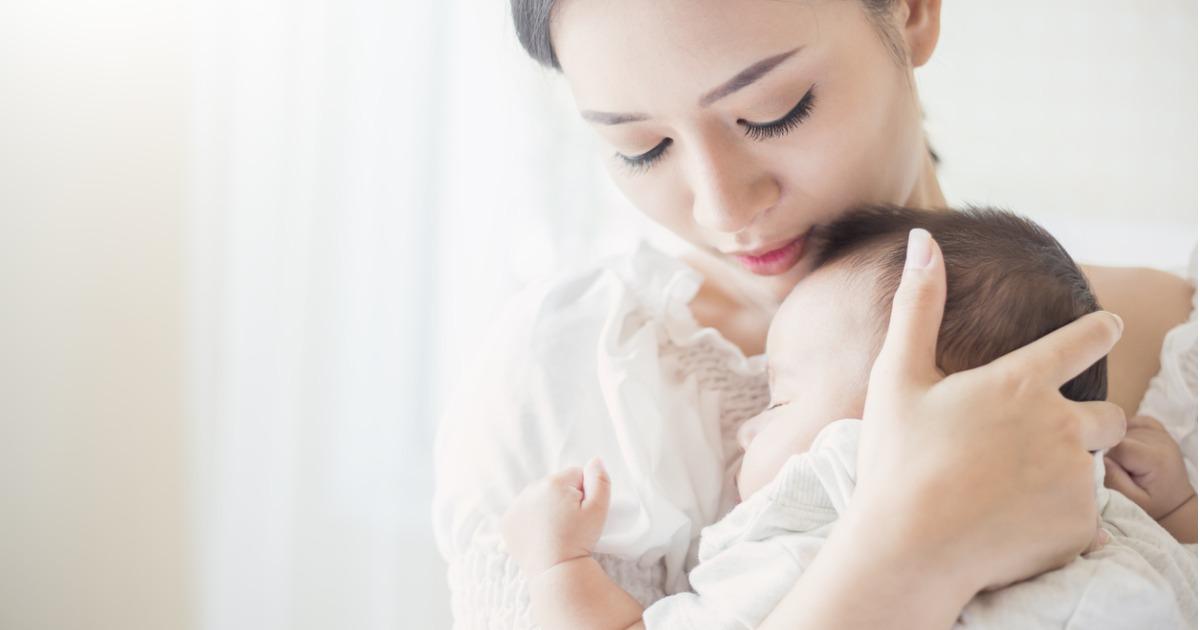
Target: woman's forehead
x,y
624,55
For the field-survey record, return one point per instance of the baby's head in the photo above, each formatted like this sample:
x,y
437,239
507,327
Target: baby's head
x,y
1008,282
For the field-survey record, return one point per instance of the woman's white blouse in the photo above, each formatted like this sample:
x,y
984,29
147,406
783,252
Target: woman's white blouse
x,y
611,362
608,362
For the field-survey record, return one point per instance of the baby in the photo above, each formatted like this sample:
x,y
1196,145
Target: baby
x,y
1009,283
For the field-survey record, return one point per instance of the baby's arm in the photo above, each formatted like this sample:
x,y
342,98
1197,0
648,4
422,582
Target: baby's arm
x,y
551,529
1147,467
579,594
1181,522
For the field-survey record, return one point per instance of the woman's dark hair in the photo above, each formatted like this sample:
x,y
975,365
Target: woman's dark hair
x,y
532,21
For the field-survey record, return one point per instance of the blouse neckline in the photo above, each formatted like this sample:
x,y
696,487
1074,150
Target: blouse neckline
x,y
667,286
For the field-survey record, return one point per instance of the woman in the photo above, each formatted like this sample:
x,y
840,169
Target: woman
x,y
739,125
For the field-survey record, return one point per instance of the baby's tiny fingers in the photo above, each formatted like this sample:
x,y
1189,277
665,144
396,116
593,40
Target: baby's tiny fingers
x,y
1134,456
597,486
572,476
1145,421
1118,479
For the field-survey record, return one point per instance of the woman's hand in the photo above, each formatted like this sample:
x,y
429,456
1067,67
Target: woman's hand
x,y
964,482
987,470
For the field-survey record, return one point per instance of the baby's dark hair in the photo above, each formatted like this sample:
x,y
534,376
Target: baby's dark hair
x,y
1008,281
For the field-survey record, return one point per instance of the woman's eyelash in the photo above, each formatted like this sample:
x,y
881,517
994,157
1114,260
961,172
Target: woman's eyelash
x,y
758,131
784,125
639,163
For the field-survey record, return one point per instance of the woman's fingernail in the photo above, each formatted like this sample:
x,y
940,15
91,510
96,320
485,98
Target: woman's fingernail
x,y
1120,322
920,249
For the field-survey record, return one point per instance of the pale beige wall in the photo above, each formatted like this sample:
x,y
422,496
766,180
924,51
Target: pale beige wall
x,y
93,110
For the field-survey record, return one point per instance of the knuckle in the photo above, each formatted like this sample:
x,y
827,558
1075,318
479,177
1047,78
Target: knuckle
x,y
1067,425
1150,423
1015,380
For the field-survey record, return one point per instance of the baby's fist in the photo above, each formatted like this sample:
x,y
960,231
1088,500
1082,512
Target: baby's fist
x,y
1147,466
558,518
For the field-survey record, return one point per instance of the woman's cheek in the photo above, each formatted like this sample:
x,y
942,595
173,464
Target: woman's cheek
x,y
657,193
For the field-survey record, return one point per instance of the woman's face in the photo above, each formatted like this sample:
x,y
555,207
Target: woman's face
x,y
739,124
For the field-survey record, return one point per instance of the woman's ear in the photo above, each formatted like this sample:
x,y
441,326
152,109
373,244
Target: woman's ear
x,y
921,21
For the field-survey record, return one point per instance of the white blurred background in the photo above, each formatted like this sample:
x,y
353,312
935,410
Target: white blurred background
x,y
246,247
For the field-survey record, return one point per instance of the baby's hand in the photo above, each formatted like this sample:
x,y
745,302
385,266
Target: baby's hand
x,y
558,518
1147,466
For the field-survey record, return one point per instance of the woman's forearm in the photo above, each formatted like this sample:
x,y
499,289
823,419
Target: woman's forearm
x,y
867,576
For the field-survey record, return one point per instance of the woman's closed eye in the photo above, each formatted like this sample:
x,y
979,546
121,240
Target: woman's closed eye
x,y
789,121
757,131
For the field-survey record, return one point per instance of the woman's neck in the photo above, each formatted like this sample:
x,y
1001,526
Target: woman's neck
x,y
927,192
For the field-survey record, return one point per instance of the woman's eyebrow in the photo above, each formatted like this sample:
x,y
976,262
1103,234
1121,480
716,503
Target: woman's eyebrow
x,y
752,73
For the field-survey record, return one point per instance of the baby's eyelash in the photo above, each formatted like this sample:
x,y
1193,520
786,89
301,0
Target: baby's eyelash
x,y
773,406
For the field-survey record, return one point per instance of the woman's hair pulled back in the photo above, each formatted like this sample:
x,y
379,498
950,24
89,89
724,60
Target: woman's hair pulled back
x,y
532,21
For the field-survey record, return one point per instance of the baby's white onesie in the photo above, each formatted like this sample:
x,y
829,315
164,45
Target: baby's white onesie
x,y
749,560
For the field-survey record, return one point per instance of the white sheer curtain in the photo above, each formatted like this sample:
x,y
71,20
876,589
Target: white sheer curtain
x,y
370,179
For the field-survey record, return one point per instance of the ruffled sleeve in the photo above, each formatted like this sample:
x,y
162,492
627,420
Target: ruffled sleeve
x,y
1171,396
573,369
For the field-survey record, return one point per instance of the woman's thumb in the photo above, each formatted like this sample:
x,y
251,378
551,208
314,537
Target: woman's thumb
x,y
910,347
596,486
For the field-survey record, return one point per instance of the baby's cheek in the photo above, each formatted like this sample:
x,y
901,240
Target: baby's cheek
x,y
753,474
769,451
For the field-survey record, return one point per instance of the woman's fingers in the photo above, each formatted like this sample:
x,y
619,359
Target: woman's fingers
x,y
1101,424
910,347
1061,355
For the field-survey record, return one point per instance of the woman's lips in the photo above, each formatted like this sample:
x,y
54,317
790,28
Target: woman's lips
x,y
775,261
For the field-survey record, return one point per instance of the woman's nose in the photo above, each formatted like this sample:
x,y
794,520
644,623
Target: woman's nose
x,y
730,189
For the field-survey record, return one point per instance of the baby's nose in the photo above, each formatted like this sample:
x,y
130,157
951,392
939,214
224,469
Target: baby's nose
x,y
748,430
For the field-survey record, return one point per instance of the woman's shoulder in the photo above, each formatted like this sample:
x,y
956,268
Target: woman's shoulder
x,y
641,288
541,365
640,277
1151,302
